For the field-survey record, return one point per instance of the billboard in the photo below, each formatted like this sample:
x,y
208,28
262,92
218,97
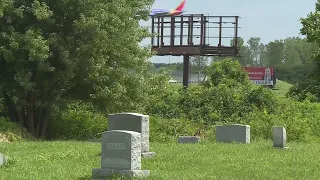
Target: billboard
x,y
261,75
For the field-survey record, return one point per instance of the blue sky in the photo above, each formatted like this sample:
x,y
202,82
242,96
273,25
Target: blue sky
x,y
267,19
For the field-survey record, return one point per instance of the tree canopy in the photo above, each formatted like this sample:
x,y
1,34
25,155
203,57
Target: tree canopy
x,y
58,50
309,87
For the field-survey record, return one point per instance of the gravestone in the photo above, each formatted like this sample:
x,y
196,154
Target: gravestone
x,y
132,122
2,159
233,132
188,139
121,154
279,137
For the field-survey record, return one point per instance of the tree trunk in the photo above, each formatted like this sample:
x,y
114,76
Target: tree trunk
x,y
38,119
34,119
20,115
10,106
45,120
30,114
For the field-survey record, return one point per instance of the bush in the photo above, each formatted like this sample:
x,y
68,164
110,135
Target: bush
x,y
228,72
295,73
12,132
162,97
164,130
228,98
77,122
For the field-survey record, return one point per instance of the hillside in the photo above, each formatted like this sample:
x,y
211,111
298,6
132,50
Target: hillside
x,y
282,88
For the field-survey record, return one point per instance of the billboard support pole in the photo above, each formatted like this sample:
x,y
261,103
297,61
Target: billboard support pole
x,y
186,62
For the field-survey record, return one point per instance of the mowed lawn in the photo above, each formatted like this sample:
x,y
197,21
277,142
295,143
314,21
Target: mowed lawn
x,y
74,161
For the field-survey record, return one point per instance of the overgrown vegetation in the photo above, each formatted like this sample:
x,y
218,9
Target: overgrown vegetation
x,y
228,97
77,121
11,132
80,74
308,88
65,65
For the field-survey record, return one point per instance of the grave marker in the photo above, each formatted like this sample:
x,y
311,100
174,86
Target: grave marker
x,y
233,132
121,154
2,159
188,139
132,122
279,137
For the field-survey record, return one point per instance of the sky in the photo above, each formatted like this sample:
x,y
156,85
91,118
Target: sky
x,y
267,19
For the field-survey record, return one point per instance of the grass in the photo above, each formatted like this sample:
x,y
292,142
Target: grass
x,y
74,160
282,88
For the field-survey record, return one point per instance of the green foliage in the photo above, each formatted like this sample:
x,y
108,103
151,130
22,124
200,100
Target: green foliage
x,y
244,56
229,98
164,130
308,88
300,120
225,72
162,97
198,63
255,51
78,121
294,74
56,50
12,132
263,99
305,90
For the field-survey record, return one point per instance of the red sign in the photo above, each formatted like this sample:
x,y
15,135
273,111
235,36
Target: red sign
x,y
261,75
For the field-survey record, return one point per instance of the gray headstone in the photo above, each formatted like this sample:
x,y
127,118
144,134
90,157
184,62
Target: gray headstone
x,y
279,137
2,159
233,132
132,122
121,154
189,139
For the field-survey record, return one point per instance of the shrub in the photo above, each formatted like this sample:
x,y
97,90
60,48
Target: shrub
x,y
12,132
164,130
162,97
77,122
302,119
228,72
228,98
263,99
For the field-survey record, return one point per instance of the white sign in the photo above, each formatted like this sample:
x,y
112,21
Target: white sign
x,y
263,82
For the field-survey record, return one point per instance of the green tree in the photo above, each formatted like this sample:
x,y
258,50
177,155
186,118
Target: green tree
x,y
262,55
254,50
227,72
304,48
55,50
274,53
290,54
243,58
310,86
199,63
